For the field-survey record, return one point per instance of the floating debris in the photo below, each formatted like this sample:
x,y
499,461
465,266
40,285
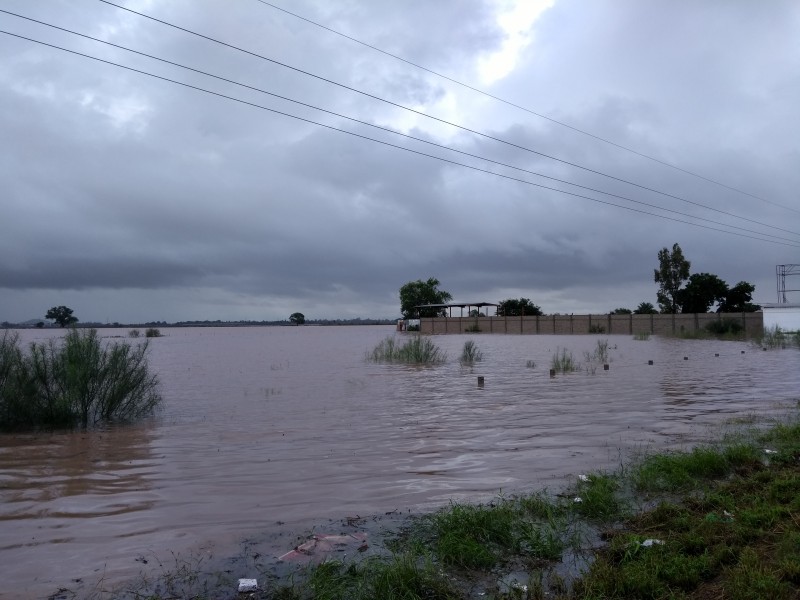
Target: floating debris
x,y
248,585
321,544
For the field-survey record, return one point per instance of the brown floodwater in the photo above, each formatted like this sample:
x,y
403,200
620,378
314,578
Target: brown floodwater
x,y
292,424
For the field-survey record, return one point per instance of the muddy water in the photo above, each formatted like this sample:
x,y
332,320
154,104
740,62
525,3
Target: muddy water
x,y
262,425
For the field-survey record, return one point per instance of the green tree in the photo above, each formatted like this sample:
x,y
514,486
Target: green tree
x,y
621,311
702,291
297,318
416,293
645,308
61,315
516,308
673,270
738,299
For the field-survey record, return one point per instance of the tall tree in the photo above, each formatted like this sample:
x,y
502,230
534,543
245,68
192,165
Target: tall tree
x,y
61,315
702,291
645,308
297,318
673,270
416,293
738,299
516,308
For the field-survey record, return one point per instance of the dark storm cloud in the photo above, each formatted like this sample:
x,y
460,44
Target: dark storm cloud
x,y
119,188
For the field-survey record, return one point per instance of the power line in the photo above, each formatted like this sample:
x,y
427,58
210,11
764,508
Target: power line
x,y
417,152
386,129
528,110
444,121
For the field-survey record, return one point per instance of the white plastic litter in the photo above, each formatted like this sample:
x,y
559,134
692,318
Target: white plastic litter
x,y
651,542
577,499
248,585
768,451
583,477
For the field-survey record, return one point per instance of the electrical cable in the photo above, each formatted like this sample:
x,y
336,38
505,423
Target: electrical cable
x,y
444,121
386,129
527,110
409,150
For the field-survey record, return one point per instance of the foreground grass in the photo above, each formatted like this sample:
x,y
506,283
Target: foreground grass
x,y
718,521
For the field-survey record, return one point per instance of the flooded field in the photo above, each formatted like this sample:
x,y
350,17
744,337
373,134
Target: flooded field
x,y
291,425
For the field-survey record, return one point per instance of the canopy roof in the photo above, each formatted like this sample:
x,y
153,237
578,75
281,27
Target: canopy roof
x,y
462,305
457,305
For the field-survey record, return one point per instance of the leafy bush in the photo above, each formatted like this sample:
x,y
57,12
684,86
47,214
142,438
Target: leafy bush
x,y
152,332
74,382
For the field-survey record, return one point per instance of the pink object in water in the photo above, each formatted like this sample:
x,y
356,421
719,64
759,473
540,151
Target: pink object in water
x,y
322,544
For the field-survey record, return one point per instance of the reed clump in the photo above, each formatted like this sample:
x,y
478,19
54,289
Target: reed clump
x,y
642,336
470,354
416,351
75,381
563,361
776,338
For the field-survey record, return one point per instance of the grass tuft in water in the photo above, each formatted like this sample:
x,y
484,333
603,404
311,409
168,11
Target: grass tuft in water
x,y
776,338
564,362
642,336
470,353
416,351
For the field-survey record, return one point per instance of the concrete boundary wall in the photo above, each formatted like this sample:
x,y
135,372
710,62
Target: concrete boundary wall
x,y
752,323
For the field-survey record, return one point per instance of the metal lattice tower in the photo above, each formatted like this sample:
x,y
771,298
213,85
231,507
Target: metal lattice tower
x,y
783,271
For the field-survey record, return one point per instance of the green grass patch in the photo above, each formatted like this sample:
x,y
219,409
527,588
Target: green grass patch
x,y
600,498
676,471
473,536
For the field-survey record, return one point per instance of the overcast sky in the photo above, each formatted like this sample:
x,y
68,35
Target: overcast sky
x,y
133,199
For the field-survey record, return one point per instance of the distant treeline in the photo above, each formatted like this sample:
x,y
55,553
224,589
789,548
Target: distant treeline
x,y
217,323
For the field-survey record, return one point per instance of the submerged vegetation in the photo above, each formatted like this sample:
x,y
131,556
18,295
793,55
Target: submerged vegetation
x,y
470,354
563,361
774,337
75,381
416,351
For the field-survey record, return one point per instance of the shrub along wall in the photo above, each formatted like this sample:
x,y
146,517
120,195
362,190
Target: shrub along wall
x,y
752,324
